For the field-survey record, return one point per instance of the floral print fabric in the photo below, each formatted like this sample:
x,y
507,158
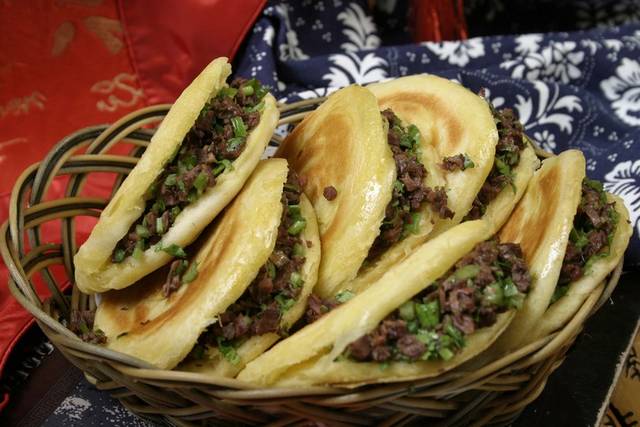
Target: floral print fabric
x,y
570,89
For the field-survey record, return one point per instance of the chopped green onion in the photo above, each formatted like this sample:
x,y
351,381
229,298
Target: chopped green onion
x,y
414,134
412,326
118,255
174,250
414,226
298,250
455,334
158,206
182,267
227,91
294,211
192,197
510,288
469,271
578,237
221,166
271,270
139,250
142,231
428,314
493,294
256,108
594,184
502,167
296,279
83,327
235,142
175,211
284,302
239,128
468,163
228,351
398,186
187,162
297,227
344,296
218,169
171,180
191,273
247,90
159,226
201,181
407,311
445,353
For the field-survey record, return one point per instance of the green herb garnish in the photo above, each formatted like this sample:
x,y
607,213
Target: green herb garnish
x,y
191,274
344,296
228,351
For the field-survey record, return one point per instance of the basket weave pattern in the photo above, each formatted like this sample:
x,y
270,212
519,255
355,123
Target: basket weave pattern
x,y
495,394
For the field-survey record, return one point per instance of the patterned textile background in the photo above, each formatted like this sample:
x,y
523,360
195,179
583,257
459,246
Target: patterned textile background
x,y
571,89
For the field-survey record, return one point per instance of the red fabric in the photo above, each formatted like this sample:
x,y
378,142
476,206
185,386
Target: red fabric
x,y
438,20
170,45
67,64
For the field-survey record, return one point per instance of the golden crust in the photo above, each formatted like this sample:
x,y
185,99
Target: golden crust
x,y
559,313
343,144
500,208
315,347
94,270
215,364
541,223
451,120
345,373
162,330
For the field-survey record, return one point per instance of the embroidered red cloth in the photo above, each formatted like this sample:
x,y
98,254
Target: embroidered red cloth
x,y
67,64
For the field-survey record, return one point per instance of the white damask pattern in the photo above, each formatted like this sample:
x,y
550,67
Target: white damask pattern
x,y
557,62
290,50
623,90
352,67
458,52
552,109
624,180
359,29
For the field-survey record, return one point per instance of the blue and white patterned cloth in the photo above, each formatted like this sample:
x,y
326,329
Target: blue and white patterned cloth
x,y
571,90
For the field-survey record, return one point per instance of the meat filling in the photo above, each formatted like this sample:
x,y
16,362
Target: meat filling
x,y
402,215
215,140
274,290
489,280
81,324
593,228
511,142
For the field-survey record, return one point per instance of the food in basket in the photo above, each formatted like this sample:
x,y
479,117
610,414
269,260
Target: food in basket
x,y
452,120
246,285
197,161
445,303
404,165
573,234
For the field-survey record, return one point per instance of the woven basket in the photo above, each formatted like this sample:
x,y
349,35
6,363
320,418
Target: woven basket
x,y
495,394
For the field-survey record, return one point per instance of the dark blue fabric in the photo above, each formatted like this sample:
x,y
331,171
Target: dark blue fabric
x,y
571,90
